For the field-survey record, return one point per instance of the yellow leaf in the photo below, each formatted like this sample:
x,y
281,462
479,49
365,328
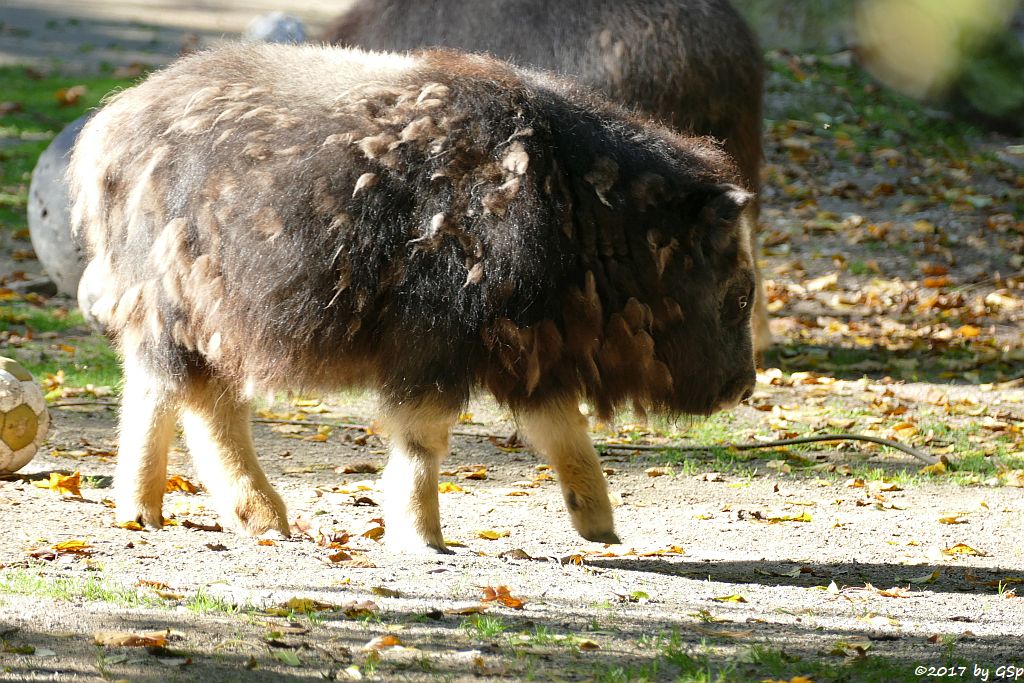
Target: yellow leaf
x,y
730,598
962,549
661,552
478,474
936,469
323,432
492,535
802,517
588,645
927,578
67,485
374,533
131,525
307,605
449,487
179,483
952,519
73,547
968,331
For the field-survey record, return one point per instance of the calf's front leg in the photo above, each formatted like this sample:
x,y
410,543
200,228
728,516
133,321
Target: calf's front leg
x,y
559,431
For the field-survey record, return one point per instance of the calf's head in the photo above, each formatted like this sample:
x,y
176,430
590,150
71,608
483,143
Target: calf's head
x,y
674,273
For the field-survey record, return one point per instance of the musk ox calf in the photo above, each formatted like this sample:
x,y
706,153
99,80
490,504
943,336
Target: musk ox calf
x,y
694,64
267,217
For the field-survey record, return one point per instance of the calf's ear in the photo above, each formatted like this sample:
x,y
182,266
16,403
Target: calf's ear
x,y
724,204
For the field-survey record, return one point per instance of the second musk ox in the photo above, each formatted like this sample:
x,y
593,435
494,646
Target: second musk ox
x,y
269,217
693,64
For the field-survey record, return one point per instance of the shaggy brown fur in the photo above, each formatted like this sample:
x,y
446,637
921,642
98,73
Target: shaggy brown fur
x,y
694,64
271,217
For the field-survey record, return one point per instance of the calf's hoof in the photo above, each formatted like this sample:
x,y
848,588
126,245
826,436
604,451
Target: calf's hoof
x,y
145,512
602,537
257,511
405,540
592,516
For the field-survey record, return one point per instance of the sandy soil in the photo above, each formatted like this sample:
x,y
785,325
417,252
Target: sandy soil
x,y
811,564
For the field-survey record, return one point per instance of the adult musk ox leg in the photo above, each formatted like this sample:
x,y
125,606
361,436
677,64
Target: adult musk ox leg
x,y
148,418
419,441
220,441
559,432
761,330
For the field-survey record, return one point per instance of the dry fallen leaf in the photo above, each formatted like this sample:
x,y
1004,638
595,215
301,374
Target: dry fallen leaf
x,y
491,534
466,611
179,483
68,96
503,595
382,643
66,485
730,598
953,519
126,639
73,547
962,549
449,487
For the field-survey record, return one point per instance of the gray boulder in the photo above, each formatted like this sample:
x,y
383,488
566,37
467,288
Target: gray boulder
x,y
49,213
275,27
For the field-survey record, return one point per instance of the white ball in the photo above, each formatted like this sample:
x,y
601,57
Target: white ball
x,y
24,419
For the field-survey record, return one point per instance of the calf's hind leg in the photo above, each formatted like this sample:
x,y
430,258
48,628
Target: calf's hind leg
x,y
219,439
419,442
148,418
559,431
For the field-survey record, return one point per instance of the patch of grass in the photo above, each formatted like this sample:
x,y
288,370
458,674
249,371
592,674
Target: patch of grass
x,y
26,582
93,361
25,134
21,318
485,626
844,102
201,602
675,661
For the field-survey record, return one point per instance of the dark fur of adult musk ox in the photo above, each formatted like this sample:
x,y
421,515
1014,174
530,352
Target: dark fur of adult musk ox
x,y
694,64
261,218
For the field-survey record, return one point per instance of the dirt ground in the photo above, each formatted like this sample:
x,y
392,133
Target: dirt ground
x,y
772,563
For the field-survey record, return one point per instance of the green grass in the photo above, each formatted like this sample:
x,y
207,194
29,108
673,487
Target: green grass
x,y
202,602
25,134
71,589
675,661
485,626
94,362
20,317
845,103
93,589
